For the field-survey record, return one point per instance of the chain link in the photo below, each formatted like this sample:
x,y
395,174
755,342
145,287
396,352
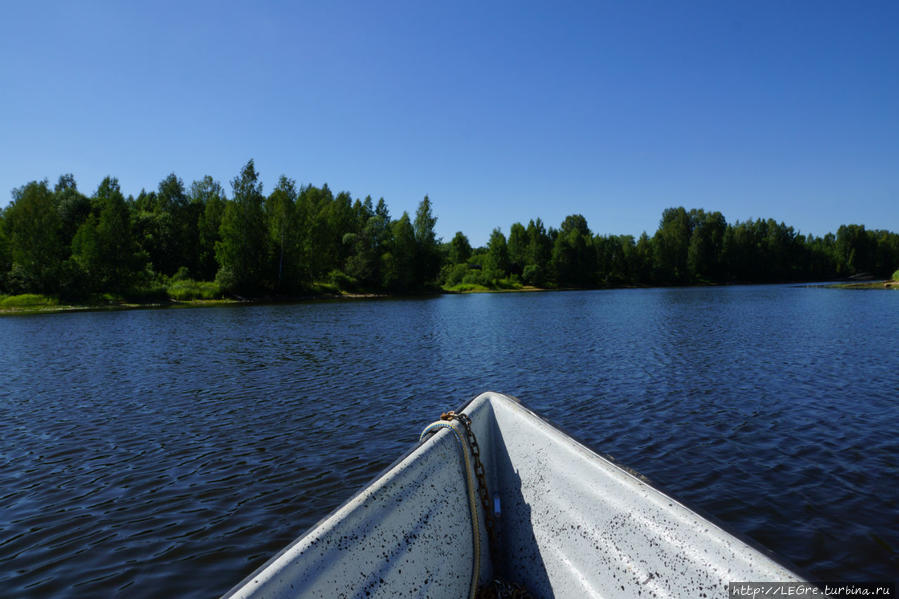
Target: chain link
x,y
495,589
479,472
501,589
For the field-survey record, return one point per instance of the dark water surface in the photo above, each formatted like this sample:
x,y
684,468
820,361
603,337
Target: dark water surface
x,y
171,452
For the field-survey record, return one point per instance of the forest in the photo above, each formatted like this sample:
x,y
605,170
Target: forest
x,y
199,242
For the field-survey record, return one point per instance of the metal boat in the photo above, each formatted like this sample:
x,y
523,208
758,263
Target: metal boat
x,y
568,523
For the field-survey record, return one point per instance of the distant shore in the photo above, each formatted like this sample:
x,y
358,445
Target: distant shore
x,y
867,285
50,305
40,304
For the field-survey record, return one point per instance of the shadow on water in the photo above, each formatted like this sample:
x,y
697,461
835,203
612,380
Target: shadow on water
x,y
519,560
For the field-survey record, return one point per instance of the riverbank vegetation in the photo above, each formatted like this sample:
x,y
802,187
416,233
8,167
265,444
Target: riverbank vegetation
x,y
27,300
893,283
196,242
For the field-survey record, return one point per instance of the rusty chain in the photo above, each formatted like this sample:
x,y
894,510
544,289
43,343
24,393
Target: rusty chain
x,y
479,472
501,589
496,588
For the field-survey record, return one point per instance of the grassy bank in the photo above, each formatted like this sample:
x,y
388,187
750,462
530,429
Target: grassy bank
x,y
177,294
188,293
475,288
27,301
891,284
868,285
31,303
188,289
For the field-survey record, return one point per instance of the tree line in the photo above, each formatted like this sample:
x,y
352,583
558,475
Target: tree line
x,y
688,248
301,239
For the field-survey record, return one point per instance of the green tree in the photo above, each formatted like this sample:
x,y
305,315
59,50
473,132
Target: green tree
x,y
280,207
518,248
427,260
308,207
341,219
424,223
573,254
66,181
670,245
626,271
166,227
575,222
74,208
764,251
574,260
5,253
171,195
86,254
185,216
497,256
642,266
706,246
614,257
33,225
362,211
855,249
819,260
104,247
243,250
370,245
208,196
781,252
460,249
329,219
145,202
398,265
886,253
739,249
538,256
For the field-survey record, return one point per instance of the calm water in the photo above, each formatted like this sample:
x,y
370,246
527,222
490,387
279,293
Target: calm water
x,y
171,452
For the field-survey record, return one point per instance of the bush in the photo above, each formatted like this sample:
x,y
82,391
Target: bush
x,y
322,287
463,287
27,300
453,274
896,276
225,279
474,277
188,289
342,281
533,275
181,275
510,282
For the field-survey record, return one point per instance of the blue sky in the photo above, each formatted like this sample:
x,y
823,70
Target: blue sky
x,y
501,112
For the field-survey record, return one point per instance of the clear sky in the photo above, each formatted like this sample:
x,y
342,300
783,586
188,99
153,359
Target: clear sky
x,y
501,112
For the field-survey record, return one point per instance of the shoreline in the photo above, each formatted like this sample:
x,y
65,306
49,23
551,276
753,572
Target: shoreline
x,y
178,304
238,301
882,284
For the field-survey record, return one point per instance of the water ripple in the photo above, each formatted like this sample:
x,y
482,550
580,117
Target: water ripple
x,y
171,452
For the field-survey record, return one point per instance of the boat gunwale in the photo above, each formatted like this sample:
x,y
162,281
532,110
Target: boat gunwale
x,y
630,472
362,489
642,478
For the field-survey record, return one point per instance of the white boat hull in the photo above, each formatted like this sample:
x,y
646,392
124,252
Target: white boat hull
x,y
572,524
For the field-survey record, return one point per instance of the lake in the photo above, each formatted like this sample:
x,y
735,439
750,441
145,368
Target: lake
x,y
171,452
